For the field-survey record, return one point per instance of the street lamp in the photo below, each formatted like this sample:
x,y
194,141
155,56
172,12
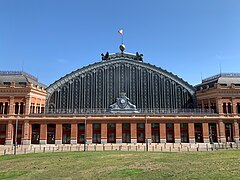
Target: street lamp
x,y
146,133
211,135
15,140
85,132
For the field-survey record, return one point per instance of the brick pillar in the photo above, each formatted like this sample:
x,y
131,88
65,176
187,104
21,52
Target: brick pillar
x,y
58,139
236,131
103,133
118,132
177,135
43,134
148,131
191,132
219,105
74,132
9,133
30,132
205,132
234,104
26,131
88,133
222,131
218,133
11,105
163,132
133,133
27,105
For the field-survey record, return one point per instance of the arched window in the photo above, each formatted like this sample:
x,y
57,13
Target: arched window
x,y
224,108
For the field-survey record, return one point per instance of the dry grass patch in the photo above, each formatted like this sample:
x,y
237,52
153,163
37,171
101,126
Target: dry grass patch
x,y
122,165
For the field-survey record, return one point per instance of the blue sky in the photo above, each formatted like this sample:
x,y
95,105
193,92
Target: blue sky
x,y
51,38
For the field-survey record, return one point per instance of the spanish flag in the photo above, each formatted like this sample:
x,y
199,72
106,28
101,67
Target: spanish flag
x,y
120,31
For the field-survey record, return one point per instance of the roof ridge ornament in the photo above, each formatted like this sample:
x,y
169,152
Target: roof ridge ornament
x,y
122,47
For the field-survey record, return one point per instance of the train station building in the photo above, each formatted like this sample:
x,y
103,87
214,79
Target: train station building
x,y
119,99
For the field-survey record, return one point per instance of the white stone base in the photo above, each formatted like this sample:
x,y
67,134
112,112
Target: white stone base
x,y
149,141
133,141
223,140
88,141
103,141
118,141
191,140
162,140
8,142
58,141
177,140
206,140
43,142
73,141
26,142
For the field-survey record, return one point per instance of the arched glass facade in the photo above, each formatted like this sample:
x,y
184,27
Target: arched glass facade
x,y
97,86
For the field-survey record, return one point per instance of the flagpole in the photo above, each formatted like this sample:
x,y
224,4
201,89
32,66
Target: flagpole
x,y
122,38
121,33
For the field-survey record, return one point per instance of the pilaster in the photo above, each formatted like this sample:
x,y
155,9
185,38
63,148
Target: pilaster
x,y
26,131
88,133
177,132
103,133
9,134
191,132
222,131
74,133
43,133
205,132
236,131
118,132
58,134
163,132
133,133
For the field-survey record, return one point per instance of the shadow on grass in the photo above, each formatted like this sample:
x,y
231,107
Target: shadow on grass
x,y
126,173
11,175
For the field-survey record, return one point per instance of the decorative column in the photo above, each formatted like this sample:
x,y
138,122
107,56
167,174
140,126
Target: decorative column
x,y
11,105
26,130
133,132
177,133
9,133
234,106
118,132
103,133
3,107
88,133
222,131
74,133
163,132
27,105
205,132
43,134
58,139
219,105
236,131
191,132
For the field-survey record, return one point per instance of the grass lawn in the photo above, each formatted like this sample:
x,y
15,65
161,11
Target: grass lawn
x,y
122,165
